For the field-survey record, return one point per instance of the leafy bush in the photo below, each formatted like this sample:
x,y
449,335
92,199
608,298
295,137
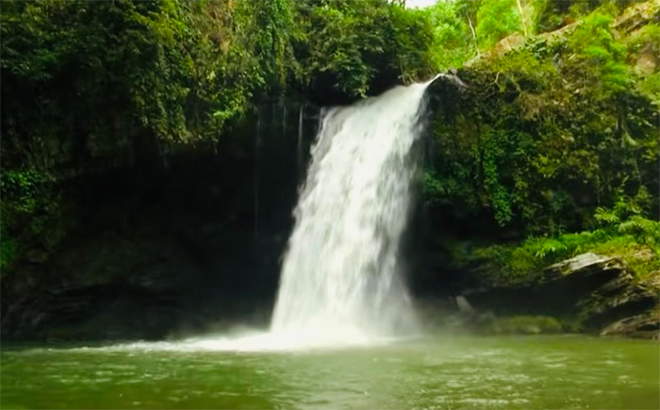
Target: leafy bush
x,y
497,19
635,240
599,56
453,43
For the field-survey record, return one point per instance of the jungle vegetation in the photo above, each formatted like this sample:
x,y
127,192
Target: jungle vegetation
x,y
551,150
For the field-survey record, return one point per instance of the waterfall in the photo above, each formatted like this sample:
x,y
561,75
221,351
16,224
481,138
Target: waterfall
x,y
340,276
299,145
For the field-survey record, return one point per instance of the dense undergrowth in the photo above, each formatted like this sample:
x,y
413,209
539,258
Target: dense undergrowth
x,y
519,263
552,152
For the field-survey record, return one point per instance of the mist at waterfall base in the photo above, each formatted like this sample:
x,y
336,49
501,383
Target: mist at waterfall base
x,y
340,283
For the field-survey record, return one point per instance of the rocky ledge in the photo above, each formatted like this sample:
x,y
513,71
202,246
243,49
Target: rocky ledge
x,y
596,294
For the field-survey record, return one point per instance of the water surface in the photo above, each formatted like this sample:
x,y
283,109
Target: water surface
x,y
430,373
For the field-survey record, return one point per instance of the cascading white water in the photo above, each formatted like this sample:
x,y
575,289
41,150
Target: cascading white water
x,y
340,283
339,278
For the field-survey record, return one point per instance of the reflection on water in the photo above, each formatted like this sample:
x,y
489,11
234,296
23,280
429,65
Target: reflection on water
x,y
431,373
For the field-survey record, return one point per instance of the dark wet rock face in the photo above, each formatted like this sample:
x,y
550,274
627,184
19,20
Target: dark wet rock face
x,y
600,292
157,250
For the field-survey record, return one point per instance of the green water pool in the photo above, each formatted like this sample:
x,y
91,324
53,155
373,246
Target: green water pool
x,y
439,372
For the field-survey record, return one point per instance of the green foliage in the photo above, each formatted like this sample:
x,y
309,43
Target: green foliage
x,y
348,46
453,44
336,53
90,86
84,80
643,45
647,37
497,19
562,128
468,10
599,55
624,208
553,14
183,73
635,239
7,253
644,230
494,155
628,217
414,36
32,219
546,137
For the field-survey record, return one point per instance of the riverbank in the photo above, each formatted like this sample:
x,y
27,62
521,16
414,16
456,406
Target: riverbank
x,y
588,293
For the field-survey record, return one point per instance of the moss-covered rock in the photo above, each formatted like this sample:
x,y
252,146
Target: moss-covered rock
x,y
520,325
594,292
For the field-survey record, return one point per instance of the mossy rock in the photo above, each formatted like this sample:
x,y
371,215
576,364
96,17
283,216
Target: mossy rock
x,y
521,325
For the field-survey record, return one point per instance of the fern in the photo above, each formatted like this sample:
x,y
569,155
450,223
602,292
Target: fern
x,y
644,230
606,216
